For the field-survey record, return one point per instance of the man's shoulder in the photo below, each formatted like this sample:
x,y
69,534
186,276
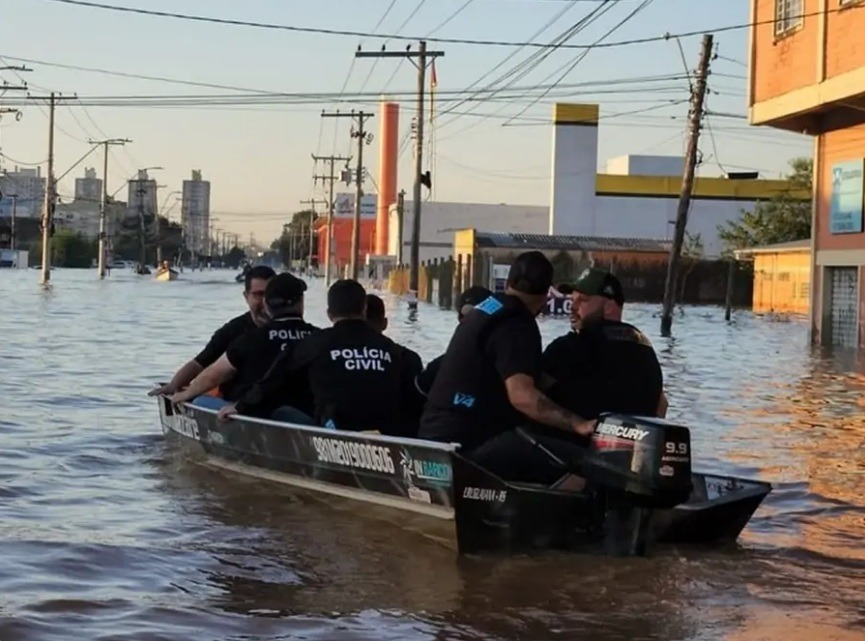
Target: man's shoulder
x,y
237,325
565,341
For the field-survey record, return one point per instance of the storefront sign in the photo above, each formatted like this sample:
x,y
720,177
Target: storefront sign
x,y
845,205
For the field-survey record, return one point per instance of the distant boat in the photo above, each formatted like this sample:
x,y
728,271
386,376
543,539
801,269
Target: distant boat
x,y
166,274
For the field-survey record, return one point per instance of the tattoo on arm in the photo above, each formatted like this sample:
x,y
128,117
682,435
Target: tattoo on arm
x,y
553,414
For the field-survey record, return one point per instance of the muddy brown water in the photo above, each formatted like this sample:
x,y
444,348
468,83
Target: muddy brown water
x,y
107,533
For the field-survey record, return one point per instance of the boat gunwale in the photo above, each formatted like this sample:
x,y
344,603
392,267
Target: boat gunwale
x,y
324,431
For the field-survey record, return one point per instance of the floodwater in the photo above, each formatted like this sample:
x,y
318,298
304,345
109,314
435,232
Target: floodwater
x,y
106,533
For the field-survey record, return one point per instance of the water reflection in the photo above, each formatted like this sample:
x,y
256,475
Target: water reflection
x,y
107,532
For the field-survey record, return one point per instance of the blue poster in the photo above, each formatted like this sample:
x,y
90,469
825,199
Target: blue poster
x,y
845,205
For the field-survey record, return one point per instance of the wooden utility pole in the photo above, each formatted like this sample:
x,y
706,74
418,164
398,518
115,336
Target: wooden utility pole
x,y
328,178
698,95
47,221
48,208
14,198
103,204
312,217
362,139
423,58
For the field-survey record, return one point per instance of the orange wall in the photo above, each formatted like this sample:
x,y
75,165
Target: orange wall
x,y
845,45
791,61
836,146
342,228
788,63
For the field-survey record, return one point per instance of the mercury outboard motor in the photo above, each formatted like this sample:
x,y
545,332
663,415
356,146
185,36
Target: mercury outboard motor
x,y
636,465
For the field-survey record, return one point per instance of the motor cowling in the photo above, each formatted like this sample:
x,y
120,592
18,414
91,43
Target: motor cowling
x,y
648,459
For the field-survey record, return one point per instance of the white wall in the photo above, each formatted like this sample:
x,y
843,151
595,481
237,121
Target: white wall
x,y
575,161
635,217
440,220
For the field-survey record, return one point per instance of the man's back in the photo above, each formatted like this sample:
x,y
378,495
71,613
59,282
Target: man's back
x,y
608,366
468,402
252,354
356,376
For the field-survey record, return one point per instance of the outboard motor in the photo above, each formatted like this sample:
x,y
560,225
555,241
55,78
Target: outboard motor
x,y
636,465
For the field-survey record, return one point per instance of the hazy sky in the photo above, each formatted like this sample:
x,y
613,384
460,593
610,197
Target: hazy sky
x,y
257,157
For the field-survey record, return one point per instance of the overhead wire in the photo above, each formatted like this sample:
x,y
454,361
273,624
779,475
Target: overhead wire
x,y
521,69
582,56
397,36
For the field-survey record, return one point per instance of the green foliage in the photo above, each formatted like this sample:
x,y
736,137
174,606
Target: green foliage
x,y
68,249
294,242
784,218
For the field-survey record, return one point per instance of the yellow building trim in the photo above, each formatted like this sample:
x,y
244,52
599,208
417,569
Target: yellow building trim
x,y
706,188
464,242
573,114
842,87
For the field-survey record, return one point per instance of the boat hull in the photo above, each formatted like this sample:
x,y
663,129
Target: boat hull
x,y
431,488
165,275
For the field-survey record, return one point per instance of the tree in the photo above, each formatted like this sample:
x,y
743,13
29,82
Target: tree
x,y
294,242
68,249
784,218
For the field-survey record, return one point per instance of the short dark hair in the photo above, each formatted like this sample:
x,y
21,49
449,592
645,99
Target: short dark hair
x,y
531,273
346,297
260,272
374,308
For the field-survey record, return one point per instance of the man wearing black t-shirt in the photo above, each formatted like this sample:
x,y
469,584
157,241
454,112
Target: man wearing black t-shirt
x,y
249,357
411,402
254,283
468,299
488,381
605,365
355,373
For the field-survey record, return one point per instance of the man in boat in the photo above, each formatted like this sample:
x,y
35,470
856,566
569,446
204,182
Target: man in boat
x,y
253,293
489,382
355,373
411,400
249,357
604,365
467,300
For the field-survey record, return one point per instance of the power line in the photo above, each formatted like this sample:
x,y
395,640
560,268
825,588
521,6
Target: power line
x,y
414,37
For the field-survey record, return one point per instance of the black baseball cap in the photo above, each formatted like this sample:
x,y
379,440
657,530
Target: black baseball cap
x,y
283,291
531,273
595,281
472,296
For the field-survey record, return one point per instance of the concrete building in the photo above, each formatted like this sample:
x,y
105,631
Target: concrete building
x,y
638,195
88,188
142,197
195,214
440,220
29,187
807,75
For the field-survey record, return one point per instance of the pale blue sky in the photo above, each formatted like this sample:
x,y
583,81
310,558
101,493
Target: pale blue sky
x,y
258,157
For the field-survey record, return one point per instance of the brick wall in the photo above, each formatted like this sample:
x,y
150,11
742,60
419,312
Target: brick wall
x,y
845,42
836,146
788,63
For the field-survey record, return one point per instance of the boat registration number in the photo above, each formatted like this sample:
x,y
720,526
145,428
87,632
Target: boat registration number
x,y
187,426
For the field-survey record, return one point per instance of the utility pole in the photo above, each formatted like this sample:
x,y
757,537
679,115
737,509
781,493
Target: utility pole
x,y
362,139
103,205
423,58
328,178
400,216
312,217
50,191
48,209
14,198
698,95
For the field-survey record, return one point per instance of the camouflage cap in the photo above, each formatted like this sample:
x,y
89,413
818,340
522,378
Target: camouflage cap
x,y
599,282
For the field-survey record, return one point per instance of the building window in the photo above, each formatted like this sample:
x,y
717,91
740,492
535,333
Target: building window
x,y
788,16
847,3
783,277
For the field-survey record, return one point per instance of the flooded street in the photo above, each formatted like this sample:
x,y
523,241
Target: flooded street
x,y
105,533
